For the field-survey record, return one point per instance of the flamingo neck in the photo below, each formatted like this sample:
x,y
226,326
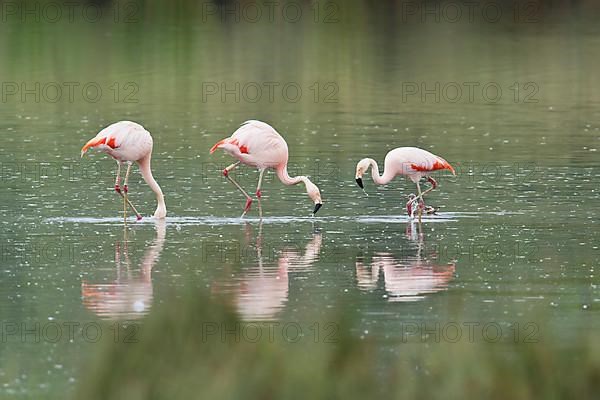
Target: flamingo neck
x,y
161,208
152,254
283,176
384,179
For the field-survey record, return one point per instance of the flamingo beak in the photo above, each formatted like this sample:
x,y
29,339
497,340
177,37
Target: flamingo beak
x,y
317,207
360,184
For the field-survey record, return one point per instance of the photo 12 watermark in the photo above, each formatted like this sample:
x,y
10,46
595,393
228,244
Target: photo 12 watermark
x,y
470,12
246,175
269,92
54,12
292,12
68,332
269,332
470,332
497,172
444,252
33,172
469,92
67,92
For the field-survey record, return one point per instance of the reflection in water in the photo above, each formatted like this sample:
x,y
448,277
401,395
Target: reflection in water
x,y
407,279
261,290
130,295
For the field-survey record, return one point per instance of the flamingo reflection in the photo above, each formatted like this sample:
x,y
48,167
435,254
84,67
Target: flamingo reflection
x,y
261,291
408,279
130,295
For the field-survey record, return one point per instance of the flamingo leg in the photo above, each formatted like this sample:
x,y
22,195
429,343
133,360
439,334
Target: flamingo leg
x,y
118,190
260,178
237,185
125,190
418,201
258,192
118,178
433,185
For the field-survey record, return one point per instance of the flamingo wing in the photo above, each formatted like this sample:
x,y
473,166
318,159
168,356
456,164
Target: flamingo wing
x,y
419,160
433,165
123,140
258,141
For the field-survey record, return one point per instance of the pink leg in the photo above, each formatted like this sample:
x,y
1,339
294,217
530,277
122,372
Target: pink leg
x,y
117,186
260,178
259,193
125,189
248,198
433,186
419,200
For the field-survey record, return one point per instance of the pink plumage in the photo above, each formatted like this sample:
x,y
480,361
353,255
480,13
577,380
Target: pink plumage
x,y
412,162
129,142
258,144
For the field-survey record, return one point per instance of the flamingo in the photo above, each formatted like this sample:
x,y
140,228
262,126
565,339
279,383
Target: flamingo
x,y
258,144
408,278
130,295
262,290
404,280
412,162
126,142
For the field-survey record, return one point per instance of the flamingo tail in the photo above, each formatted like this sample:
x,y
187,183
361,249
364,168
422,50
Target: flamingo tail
x,y
449,167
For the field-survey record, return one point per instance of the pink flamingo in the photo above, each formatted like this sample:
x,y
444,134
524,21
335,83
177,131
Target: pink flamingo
x,y
411,162
257,144
126,142
404,280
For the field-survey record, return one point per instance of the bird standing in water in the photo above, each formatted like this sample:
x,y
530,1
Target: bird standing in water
x,y
258,144
412,162
128,142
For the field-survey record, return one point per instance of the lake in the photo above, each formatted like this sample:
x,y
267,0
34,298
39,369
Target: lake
x,y
511,103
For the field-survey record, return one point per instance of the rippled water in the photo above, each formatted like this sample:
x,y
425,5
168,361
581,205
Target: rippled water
x,y
516,234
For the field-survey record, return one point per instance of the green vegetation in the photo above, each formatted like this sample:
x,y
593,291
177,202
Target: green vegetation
x,y
176,358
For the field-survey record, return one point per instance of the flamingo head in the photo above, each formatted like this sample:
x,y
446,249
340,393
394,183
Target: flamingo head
x,y
362,167
315,195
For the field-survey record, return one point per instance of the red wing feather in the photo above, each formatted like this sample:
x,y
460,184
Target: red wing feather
x,y
437,165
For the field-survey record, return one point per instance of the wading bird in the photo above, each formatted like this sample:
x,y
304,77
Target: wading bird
x,y
126,142
257,144
130,295
412,162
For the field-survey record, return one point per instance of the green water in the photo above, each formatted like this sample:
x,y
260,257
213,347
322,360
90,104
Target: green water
x,y
515,242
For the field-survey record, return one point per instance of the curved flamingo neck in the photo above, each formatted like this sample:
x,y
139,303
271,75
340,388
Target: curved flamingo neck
x,y
283,176
384,179
144,165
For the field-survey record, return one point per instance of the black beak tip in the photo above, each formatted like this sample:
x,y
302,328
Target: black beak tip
x,y
359,183
317,207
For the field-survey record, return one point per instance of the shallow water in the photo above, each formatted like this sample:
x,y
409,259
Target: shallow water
x,y
516,235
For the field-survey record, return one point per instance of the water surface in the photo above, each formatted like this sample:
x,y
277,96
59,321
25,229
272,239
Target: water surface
x,y
516,235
